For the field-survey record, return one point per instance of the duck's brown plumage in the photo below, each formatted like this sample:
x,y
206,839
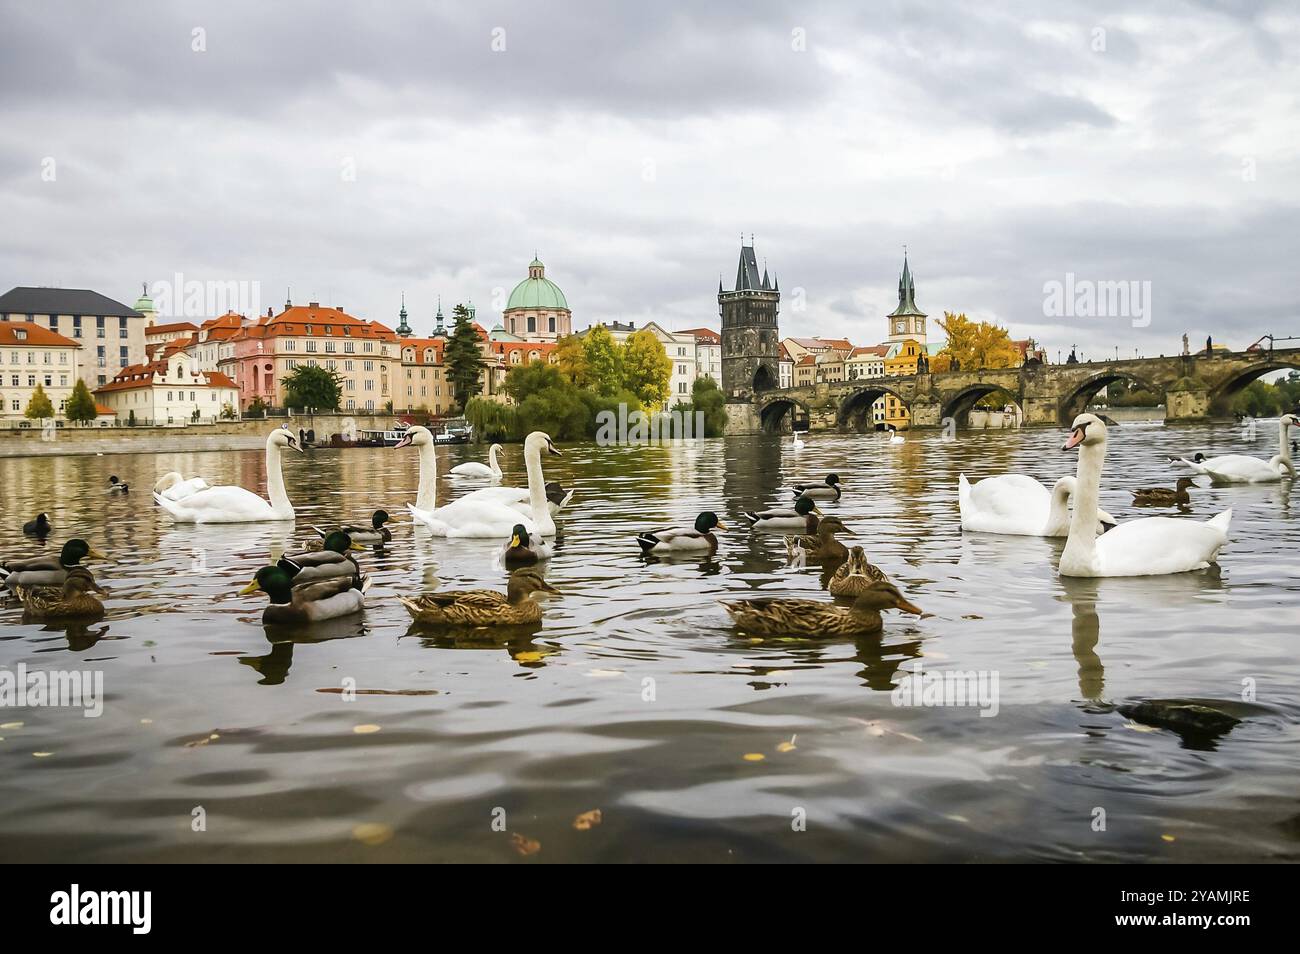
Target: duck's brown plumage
x,y
822,545
856,575
1164,496
813,618
483,607
75,598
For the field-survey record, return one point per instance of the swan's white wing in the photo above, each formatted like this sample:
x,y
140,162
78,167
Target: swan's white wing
x,y
496,494
472,469
1240,469
185,488
1157,545
481,519
219,505
1008,503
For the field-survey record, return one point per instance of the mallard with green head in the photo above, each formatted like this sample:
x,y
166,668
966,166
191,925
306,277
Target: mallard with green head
x,y
330,562
306,603
856,575
827,491
822,545
515,607
793,617
48,570
75,599
696,539
376,533
525,549
801,518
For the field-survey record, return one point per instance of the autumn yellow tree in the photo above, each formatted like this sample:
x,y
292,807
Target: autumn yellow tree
x,y
571,359
974,345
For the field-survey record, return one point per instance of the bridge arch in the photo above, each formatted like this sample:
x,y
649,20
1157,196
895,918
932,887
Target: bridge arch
x,y
780,414
960,404
1077,398
855,409
1222,394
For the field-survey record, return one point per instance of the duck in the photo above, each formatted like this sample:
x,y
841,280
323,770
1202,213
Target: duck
x,y
327,561
376,533
1163,496
75,598
697,539
1151,546
856,575
175,487
48,570
524,548
116,486
827,491
802,517
1018,505
775,616
1242,469
232,504
489,471
310,603
474,515
483,607
797,443
38,527
821,545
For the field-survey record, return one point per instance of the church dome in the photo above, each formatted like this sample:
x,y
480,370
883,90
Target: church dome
x,y
537,292
144,304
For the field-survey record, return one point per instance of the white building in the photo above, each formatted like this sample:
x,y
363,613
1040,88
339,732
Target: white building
x,y
708,353
169,391
111,333
31,355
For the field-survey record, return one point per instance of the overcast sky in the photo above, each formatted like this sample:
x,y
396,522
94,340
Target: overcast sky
x,y
631,146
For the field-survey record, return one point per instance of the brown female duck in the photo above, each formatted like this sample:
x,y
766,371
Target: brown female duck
x,y
856,575
1163,496
791,617
822,545
483,607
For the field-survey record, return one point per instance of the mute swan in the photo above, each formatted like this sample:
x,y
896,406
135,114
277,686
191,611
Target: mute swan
x,y
1151,546
230,504
798,444
175,487
896,438
490,471
1018,505
1240,469
473,515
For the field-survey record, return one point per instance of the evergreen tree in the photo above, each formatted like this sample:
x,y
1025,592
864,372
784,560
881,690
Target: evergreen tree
x,y
314,387
39,407
464,360
81,404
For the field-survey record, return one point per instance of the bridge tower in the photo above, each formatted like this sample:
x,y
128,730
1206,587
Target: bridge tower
x,y
750,339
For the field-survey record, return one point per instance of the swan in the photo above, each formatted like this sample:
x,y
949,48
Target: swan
x,y
175,487
1148,547
1019,505
1240,469
471,515
896,438
490,471
230,504
798,444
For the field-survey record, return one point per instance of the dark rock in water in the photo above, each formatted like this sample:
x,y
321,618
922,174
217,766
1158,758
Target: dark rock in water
x,y
1185,718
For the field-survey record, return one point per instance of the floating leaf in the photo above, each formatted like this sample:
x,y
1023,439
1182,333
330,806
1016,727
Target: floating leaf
x,y
753,756
11,725
785,747
42,755
528,657
1168,838
588,820
372,833
365,729
524,845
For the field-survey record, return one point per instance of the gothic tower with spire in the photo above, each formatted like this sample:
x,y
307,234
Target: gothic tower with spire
x,y
750,339
403,326
906,321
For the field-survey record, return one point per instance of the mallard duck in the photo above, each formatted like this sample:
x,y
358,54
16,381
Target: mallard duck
x,y
802,517
856,575
74,599
827,491
47,570
307,603
483,607
375,533
1163,496
39,527
789,617
524,549
116,486
323,560
699,539
822,545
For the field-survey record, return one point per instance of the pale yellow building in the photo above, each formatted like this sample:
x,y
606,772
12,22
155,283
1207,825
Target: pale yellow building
x,y
31,355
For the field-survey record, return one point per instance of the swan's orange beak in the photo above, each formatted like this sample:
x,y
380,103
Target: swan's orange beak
x,y
1076,437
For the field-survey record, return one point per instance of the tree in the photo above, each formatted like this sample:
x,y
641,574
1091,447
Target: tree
x,y
256,407
313,386
81,404
524,380
571,359
464,360
646,368
39,407
974,345
604,361
706,396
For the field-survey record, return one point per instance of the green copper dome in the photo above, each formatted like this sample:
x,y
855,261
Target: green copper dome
x,y
537,292
144,303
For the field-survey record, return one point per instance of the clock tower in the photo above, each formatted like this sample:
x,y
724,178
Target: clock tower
x,y
906,321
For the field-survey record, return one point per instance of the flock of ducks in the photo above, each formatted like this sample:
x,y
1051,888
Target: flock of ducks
x,y
324,581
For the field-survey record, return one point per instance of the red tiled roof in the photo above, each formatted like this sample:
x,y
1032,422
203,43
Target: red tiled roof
x,y
142,375
323,322
102,410
421,345
36,335
879,350
807,360
783,353
168,329
704,334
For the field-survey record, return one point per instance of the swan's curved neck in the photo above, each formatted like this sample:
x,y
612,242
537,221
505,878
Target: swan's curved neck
x,y
427,498
275,482
492,461
1058,512
1082,541
536,485
1283,458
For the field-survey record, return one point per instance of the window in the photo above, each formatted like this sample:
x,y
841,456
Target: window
x,y
76,326
121,332
54,321
99,327
552,322
290,345
532,323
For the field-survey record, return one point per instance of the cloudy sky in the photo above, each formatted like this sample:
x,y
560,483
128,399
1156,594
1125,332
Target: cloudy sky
x,y
380,148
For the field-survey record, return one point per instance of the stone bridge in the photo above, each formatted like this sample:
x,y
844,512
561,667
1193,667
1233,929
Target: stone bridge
x,y
1195,388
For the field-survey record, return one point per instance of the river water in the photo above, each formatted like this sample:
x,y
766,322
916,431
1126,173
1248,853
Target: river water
x,y
636,697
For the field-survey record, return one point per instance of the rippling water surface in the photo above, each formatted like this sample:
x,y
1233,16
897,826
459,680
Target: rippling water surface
x,y
636,697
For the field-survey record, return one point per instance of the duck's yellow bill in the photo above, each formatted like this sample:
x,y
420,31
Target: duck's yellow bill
x,y
721,525
357,546
250,588
92,552
514,541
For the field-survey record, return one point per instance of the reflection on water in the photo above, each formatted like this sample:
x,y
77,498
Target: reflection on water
x,y
636,696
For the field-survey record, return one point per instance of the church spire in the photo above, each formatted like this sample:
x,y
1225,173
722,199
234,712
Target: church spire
x,y
403,327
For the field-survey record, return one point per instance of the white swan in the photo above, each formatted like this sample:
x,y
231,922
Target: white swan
x,y
1152,546
231,504
471,515
1019,505
896,438
798,444
175,487
1241,469
490,471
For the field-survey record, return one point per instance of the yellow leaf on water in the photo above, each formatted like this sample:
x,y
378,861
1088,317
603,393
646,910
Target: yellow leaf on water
x,y
785,747
524,845
753,756
11,725
372,833
365,729
1168,838
528,657
588,820
42,755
